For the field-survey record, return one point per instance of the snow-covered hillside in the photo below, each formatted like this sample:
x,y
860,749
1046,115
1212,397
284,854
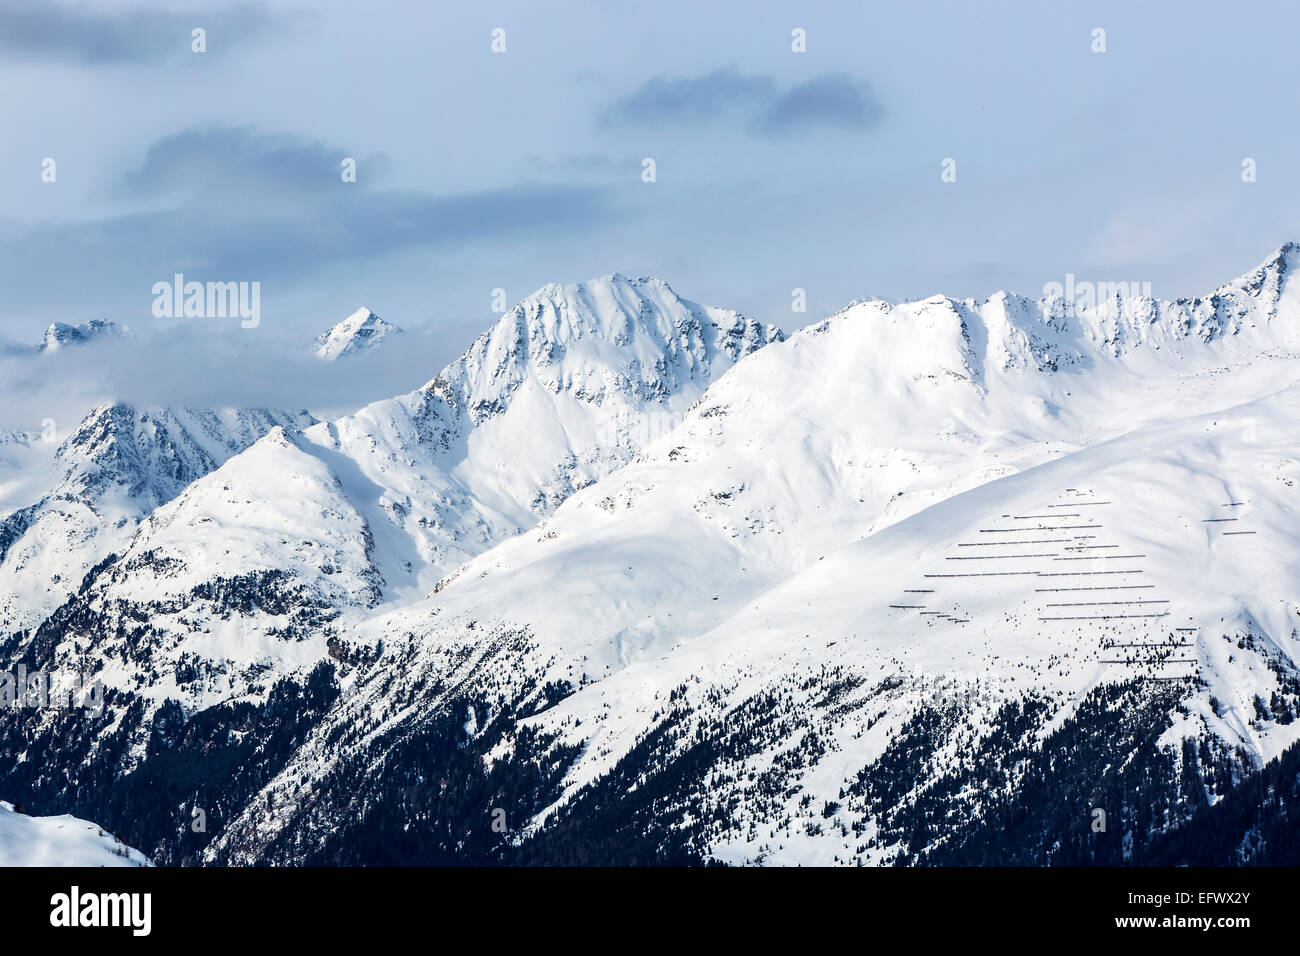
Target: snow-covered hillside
x,y
59,841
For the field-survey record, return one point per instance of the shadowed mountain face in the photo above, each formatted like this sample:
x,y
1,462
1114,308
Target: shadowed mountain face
x,y
638,580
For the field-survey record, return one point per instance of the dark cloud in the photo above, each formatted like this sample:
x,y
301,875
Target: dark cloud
x,y
57,30
240,161
717,95
755,101
834,100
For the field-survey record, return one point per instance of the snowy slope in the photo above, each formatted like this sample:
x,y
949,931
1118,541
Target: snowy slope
x,y
59,841
360,331
1166,553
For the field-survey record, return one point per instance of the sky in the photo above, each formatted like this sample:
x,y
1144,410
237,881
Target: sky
x,y
480,169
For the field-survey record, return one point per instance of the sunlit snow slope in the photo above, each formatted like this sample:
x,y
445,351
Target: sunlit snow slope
x,y
59,841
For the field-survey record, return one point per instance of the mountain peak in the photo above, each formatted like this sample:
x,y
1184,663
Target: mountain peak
x,y
1269,276
61,335
361,330
636,337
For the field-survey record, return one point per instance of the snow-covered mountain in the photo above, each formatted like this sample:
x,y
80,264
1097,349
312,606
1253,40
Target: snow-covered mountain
x,y
360,331
562,389
65,515
59,841
62,335
770,561
292,539
927,581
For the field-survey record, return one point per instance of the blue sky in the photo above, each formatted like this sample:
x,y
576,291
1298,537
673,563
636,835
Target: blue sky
x,y
775,169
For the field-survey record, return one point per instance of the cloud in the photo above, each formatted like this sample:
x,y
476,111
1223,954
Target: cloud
x,y
754,101
243,243
239,160
56,30
279,215
834,100
715,95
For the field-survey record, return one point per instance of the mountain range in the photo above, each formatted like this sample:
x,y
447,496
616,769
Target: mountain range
x,y
636,580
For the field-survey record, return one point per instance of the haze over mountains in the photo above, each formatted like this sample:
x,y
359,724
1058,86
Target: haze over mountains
x,y
654,573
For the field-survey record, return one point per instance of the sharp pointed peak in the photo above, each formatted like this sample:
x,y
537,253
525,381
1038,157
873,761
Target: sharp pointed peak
x,y
361,330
